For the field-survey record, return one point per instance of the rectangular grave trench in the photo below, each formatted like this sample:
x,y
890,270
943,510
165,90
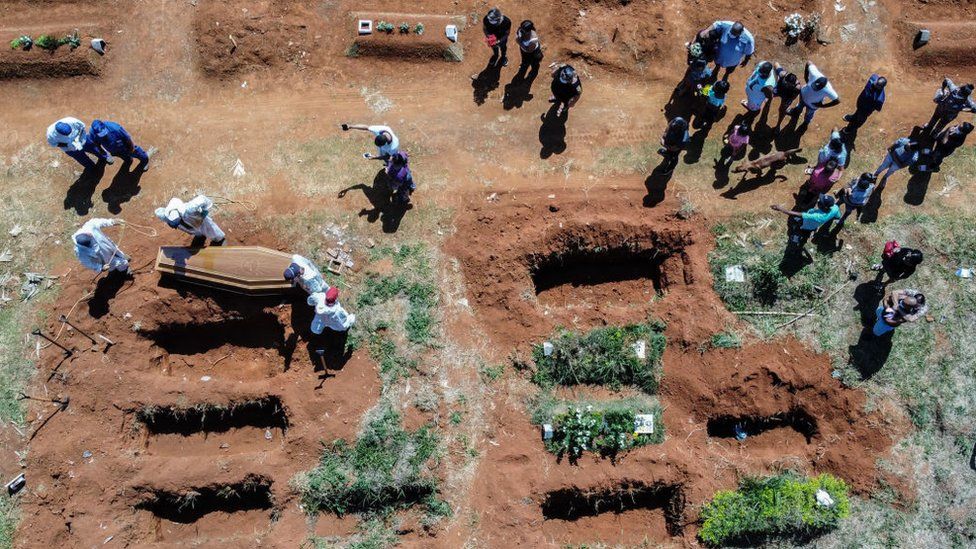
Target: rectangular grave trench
x,y
254,331
190,505
571,504
796,419
596,266
206,429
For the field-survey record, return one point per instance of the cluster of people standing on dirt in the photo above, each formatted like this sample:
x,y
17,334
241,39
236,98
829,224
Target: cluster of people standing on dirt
x,y
726,45
714,51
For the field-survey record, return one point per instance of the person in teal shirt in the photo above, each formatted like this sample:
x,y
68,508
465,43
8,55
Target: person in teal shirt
x,y
802,225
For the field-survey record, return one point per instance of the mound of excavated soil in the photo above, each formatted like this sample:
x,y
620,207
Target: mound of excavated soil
x,y
798,416
203,395
61,63
236,37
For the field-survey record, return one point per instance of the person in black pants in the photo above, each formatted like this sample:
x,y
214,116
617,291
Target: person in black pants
x,y
497,27
897,262
674,140
948,141
530,48
872,99
566,88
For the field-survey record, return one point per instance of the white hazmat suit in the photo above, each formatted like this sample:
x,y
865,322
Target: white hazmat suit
x,y
310,279
192,217
333,316
95,250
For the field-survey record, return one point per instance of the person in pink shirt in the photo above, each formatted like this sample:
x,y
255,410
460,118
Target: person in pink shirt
x,y
822,178
736,142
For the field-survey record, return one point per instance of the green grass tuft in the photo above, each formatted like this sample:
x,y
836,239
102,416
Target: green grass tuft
x,y
604,356
783,505
387,469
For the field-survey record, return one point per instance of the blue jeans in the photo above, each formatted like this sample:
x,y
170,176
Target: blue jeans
x,y
799,108
137,153
82,156
881,327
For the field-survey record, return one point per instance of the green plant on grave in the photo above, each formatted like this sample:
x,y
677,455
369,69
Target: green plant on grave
x,y
71,40
22,42
47,42
384,26
604,356
785,505
419,29
404,28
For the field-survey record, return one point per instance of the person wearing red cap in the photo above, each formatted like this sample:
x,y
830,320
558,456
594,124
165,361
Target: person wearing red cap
x,y
329,312
304,274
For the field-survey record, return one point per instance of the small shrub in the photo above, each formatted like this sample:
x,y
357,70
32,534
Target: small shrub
x,y
404,28
387,469
604,356
23,42
726,340
491,373
47,42
766,280
383,26
419,29
783,505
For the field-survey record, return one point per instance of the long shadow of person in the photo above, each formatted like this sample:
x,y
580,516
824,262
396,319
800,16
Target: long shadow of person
x,y
795,258
826,239
870,352
696,144
849,135
790,134
79,195
125,185
748,184
871,209
680,104
552,133
721,173
918,186
867,296
485,82
519,90
384,206
657,184
105,290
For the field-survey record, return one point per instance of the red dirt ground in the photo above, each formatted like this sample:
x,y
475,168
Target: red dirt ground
x,y
175,78
761,380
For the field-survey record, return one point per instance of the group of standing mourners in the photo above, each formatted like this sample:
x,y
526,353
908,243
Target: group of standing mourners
x,y
716,50
566,86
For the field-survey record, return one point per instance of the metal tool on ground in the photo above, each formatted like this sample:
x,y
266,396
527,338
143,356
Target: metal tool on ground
x,y
64,320
60,402
16,485
62,406
37,332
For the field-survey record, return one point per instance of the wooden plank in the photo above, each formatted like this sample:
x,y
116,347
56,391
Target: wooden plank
x,y
253,270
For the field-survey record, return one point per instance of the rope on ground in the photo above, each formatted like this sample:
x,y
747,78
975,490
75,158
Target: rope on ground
x,y
141,229
249,206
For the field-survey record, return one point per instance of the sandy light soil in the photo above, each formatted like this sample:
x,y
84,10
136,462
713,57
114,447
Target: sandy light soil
x,y
209,82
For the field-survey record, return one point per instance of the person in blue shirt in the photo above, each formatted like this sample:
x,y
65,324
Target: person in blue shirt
x,y
834,149
734,48
803,224
872,98
114,140
901,154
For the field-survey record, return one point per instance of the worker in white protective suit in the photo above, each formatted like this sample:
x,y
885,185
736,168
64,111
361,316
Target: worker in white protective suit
x,y
192,217
329,313
304,274
97,251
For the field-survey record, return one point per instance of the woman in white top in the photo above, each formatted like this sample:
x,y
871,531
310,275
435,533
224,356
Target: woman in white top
x,y
530,48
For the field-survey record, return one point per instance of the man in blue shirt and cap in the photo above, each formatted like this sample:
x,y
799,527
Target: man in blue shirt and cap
x,y
114,140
